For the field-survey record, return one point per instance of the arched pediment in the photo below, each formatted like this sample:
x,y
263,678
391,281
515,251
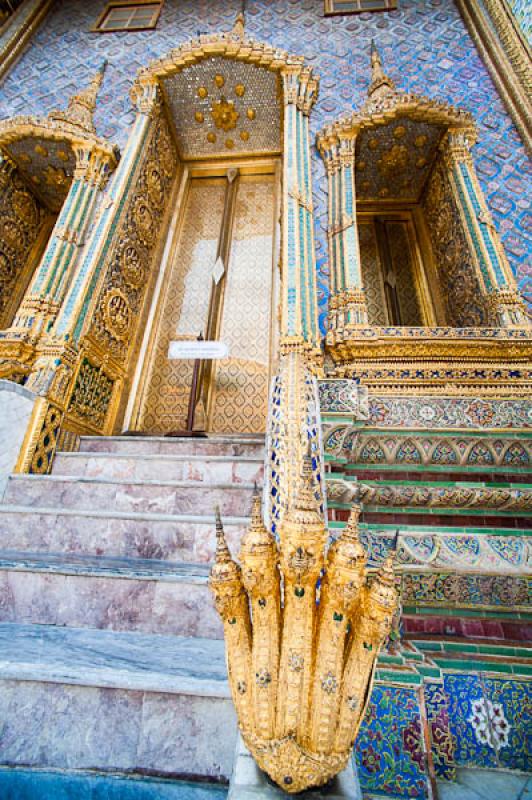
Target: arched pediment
x,y
397,136
224,93
46,150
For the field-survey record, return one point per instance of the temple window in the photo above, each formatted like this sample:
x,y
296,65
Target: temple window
x,y
128,16
393,271
340,7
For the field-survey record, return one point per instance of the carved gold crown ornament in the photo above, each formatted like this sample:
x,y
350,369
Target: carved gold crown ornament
x,y
303,629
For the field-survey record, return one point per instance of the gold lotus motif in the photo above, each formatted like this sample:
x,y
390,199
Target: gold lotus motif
x,y
300,671
224,114
396,158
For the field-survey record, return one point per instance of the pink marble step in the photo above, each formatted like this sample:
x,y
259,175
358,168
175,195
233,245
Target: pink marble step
x,y
99,494
101,533
202,468
146,445
120,597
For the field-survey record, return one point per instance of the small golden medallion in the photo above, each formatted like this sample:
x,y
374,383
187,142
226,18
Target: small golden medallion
x,y
41,151
198,116
251,113
202,92
229,143
399,132
373,144
420,141
211,137
224,114
244,135
219,80
62,155
240,90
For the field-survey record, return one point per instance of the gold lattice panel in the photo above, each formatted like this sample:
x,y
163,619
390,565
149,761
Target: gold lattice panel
x,y
220,106
372,275
402,259
184,309
241,382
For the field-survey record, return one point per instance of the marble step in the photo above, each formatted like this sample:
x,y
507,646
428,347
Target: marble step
x,y
162,445
166,537
165,497
94,699
202,468
107,593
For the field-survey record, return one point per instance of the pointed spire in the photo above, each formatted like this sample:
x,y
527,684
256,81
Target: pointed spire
x,y
238,27
223,556
306,500
81,106
256,511
380,82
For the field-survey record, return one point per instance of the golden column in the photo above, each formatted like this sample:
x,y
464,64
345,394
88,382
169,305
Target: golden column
x,y
507,306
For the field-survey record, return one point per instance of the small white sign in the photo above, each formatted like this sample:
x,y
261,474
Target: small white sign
x,y
198,349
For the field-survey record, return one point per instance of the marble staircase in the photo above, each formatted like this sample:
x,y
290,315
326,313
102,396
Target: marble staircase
x,y
106,620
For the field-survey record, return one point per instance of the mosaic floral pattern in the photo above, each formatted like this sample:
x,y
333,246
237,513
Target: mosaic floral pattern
x,y
425,47
389,748
450,412
490,721
437,705
449,589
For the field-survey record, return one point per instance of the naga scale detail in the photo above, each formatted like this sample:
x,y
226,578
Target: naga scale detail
x,y
303,628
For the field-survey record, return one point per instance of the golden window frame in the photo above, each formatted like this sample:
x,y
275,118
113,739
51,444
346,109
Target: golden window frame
x,y
132,6
338,8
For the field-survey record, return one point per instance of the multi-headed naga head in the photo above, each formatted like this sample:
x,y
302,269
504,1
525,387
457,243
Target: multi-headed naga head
x,y
259,556
346,564
303,533
301,671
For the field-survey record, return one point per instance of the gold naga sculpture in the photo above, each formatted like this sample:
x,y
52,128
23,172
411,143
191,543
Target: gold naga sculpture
x,y
303,629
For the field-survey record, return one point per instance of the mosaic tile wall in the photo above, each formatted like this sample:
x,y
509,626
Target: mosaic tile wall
x,y
490,719
425,46
389,751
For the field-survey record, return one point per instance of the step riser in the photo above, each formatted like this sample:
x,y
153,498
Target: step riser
x,y
140,498
109,603
122,467
134,446
94,536
81,727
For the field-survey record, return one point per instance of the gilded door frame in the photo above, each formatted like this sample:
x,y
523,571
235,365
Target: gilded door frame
x,y
259,165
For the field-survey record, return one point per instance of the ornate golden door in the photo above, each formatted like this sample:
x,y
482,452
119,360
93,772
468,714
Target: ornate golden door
x,y
219,280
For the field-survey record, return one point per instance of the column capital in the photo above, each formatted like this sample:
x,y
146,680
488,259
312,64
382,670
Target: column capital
x,y
146,96
508,308
457,143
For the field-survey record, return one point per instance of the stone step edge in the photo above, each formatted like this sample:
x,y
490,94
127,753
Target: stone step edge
x,y
199,457
386,529
124,568
24,476
140,516
39,669
237,439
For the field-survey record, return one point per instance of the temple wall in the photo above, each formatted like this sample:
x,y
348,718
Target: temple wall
x,y
425,47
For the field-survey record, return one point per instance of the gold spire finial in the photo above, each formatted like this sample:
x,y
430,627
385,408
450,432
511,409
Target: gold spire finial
x,y
223,556
81,106
380,82
238,27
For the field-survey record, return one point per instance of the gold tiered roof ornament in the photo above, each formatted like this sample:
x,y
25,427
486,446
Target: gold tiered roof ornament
x,y
300,671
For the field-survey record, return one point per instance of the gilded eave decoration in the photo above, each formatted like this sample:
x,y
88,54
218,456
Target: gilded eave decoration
x,y
396,137
47,150
224,93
